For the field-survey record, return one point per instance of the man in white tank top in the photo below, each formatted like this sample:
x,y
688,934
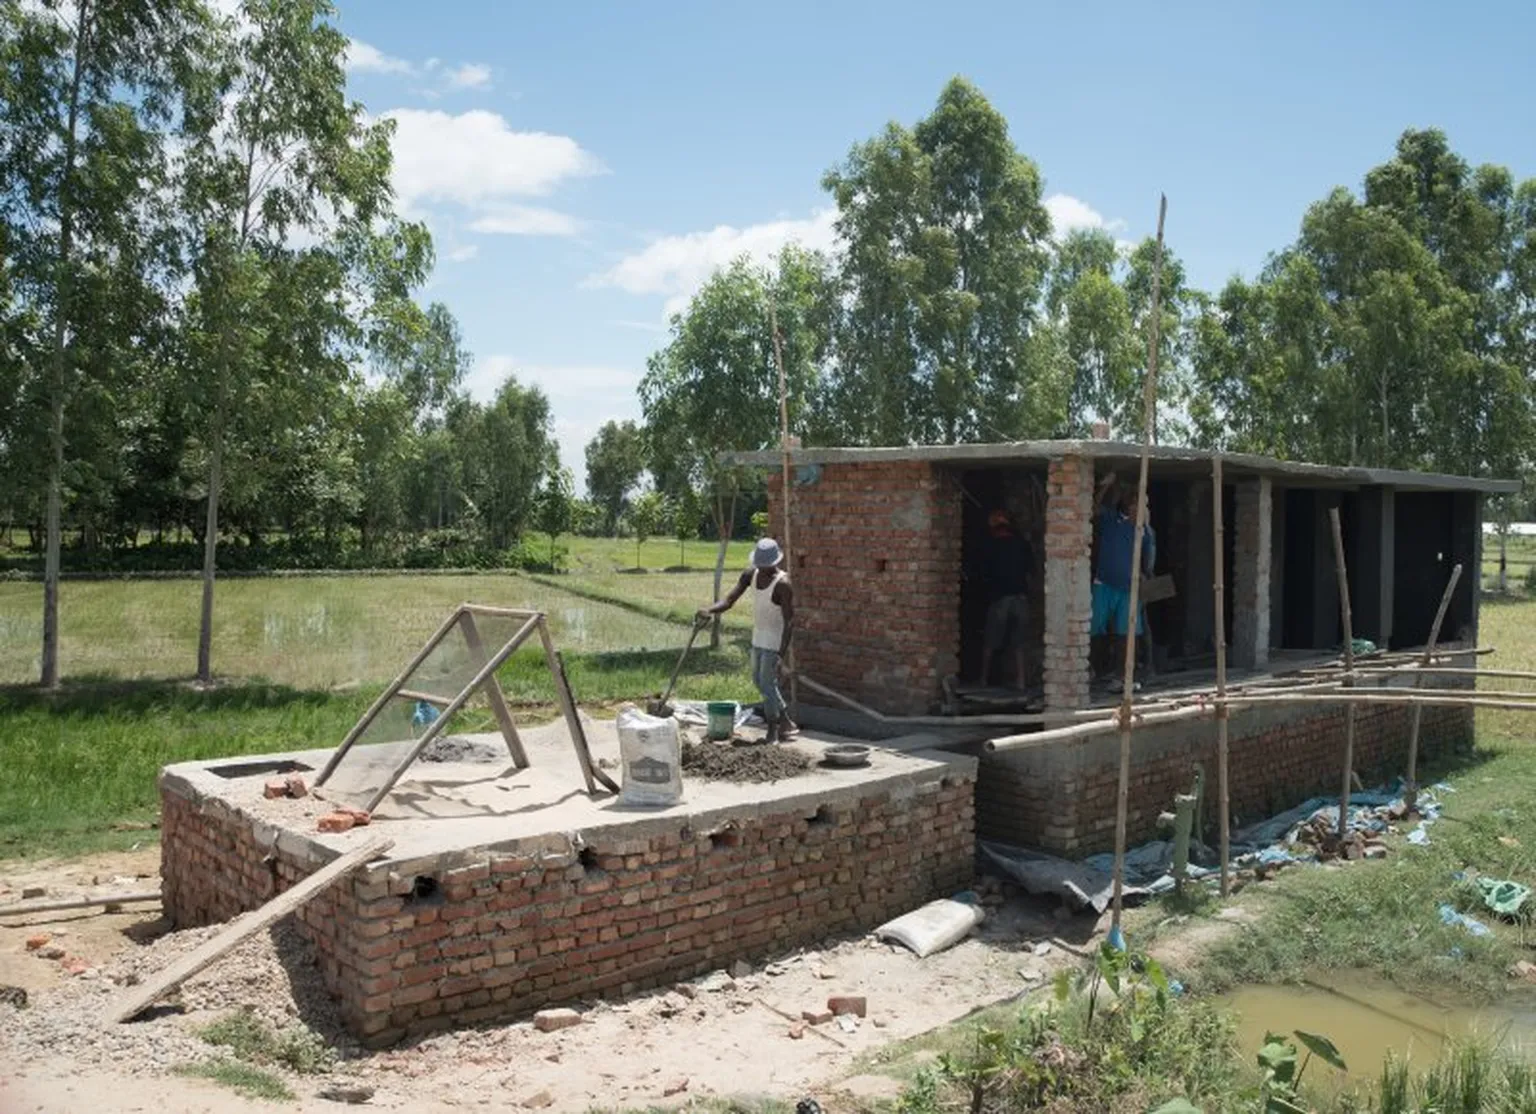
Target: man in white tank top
x,y
773,616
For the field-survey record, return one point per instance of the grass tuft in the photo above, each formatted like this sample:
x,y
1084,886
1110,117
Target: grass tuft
x,y
243,1079
250,1039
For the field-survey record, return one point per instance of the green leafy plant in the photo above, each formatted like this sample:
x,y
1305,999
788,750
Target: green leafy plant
x,y
1280,1088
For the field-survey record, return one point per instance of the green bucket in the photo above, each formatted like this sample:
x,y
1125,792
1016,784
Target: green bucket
x,y
721,719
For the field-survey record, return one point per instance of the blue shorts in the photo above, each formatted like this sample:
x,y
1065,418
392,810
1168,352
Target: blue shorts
x,y
1112,611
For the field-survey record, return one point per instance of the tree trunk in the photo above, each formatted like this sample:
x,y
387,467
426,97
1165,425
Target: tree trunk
x,y
723,532
54,542
210,549
1503,558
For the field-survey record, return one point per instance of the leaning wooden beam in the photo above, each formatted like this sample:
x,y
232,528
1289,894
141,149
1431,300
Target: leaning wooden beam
x,y
1218,539
1349,666
141,998
26,908
441,722
1411,789
1149,418
589,770
1018,719
493,694
386,696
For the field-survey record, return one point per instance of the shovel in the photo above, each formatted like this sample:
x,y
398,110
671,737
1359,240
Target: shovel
x,y
661,706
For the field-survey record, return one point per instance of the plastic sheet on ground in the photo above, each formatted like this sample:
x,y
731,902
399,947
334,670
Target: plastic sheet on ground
x,y
1449,915
1503,897
1039,873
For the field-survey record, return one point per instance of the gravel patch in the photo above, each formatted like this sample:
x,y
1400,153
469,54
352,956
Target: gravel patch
x,y
727,762
273,974
456,748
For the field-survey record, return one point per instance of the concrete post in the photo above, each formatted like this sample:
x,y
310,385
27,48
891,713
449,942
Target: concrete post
x,y
1068,581
1250,574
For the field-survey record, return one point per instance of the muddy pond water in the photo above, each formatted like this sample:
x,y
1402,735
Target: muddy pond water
x,y
1366,1018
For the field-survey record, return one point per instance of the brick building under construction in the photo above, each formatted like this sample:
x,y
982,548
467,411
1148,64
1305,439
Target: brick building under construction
x,y
880,538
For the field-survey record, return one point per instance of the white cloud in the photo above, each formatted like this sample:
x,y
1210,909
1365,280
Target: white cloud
x,y
581,398
363,58
463,253
676,266
474,158
1069,214
471,75
526,220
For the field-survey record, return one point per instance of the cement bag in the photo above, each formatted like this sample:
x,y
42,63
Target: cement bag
x,y
652,757
934,927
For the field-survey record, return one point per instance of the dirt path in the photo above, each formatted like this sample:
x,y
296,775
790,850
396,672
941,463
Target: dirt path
x,y
713,1037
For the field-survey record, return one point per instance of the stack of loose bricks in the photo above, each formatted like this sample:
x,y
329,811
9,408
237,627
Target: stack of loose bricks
x,y
875,553
499,934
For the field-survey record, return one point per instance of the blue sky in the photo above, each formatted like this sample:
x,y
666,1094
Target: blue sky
x,y
584,166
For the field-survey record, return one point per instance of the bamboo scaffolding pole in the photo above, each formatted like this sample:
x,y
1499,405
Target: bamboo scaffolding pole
x,y
1438,671
1218,540
1132,624
1349,665
1407,659
1206,709
789,548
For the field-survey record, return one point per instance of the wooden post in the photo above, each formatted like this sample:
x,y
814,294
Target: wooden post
x,y
1349,667
1218,541
1149,411
1411,789
778,359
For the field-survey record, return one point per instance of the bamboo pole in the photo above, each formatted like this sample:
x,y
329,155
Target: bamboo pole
x,y
1149,416
1349,666
1411,789
1218,539
778,359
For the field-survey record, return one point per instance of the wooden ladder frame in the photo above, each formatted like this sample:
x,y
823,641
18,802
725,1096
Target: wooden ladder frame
x,y
463,617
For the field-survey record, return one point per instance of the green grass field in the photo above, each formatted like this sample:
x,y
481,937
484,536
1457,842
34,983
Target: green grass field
x,y
297,660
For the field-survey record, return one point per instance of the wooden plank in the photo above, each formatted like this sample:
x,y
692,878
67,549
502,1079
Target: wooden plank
x,y
28,907
493,694
142,997
424,697
590,771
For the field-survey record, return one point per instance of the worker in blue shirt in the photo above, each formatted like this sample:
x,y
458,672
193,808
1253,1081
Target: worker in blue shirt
x,y
1116,527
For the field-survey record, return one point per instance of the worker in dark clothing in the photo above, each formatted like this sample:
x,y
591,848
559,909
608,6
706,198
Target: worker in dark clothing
x,y
1005,566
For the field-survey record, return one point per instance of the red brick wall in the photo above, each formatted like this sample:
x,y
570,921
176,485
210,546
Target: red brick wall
x,y
876,569
1051,802
510,932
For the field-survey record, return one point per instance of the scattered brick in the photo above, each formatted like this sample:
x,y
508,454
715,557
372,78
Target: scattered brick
x,y
74,965
676,1087
844,1004
360,817
295,785
38,941
336,822
539,1101
797,1031
817,1017
274,788
550,1021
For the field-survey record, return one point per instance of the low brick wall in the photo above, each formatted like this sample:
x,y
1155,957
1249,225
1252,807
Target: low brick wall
x,y
497,934
1062,798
